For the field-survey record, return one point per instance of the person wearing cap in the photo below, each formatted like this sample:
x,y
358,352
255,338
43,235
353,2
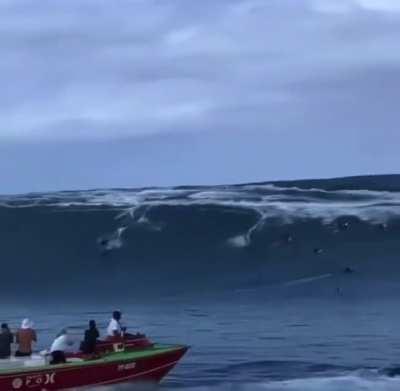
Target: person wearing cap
x,y
114,329
25,337
6,339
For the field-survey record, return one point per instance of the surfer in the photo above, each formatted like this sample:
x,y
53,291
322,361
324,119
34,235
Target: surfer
x,y
111,241
348,270
383,226
103,242
318,251
288,238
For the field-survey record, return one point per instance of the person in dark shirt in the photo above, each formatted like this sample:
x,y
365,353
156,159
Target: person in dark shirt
x,y
6,339
91,334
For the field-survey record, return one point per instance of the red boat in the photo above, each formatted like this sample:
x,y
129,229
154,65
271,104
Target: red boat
x,y
129,360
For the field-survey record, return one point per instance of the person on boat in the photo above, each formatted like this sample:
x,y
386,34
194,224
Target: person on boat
x,y
25,336
6,339
88,345
114,329
59,346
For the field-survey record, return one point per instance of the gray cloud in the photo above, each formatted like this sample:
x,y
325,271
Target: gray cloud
x,y
285,71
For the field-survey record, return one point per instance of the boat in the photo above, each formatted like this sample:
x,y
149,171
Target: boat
x,y
133,359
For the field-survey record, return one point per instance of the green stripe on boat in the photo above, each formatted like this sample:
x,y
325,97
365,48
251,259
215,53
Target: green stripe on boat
x,y
107,359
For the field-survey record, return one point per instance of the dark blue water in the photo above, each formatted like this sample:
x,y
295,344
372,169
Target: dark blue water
x,y
276,287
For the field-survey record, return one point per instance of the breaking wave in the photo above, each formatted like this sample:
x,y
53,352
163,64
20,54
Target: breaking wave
x,y
314,237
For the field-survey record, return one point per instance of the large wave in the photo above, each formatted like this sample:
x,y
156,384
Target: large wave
x,y
311,238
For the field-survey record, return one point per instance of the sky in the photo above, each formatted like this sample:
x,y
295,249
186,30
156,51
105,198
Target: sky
x,y
131,93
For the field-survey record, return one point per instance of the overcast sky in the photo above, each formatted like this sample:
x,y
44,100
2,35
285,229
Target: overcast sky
x,y
127,93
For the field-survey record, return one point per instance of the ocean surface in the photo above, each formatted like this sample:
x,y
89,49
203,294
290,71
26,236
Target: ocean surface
x,y
275,286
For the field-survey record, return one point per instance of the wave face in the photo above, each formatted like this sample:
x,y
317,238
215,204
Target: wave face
x,y
312,238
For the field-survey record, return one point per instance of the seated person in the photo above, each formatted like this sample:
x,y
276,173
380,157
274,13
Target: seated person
x,y
6,339
88,345
25,336
59,346
114,329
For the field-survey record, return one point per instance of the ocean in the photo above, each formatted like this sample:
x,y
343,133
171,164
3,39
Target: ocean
x,y
275,286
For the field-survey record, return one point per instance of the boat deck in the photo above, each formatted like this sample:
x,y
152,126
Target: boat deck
x,y
37,362
8,364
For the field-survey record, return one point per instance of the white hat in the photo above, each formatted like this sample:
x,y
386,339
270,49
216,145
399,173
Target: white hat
x,y
26,324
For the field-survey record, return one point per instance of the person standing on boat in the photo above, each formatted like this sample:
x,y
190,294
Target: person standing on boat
x,y
25,336
114,329
59,346
88,345
6,339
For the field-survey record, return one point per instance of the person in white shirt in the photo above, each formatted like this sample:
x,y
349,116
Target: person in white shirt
x,y
58,347
114,329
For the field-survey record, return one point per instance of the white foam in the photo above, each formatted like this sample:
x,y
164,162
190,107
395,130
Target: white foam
x,y
340,383
113,241
239,241
267,201
307,280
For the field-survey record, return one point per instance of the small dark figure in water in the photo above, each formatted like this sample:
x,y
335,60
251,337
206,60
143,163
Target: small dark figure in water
x,y
104,246
318,251
383,226
88,345
348,270
6,339
344,226
288,238
103,242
